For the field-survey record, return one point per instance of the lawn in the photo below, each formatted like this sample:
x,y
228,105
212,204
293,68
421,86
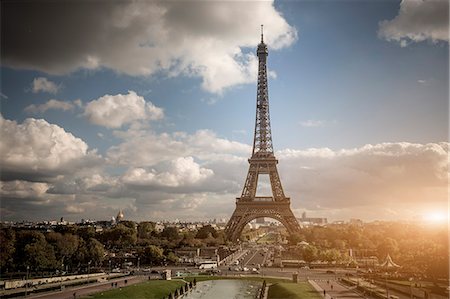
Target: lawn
x,y
160,288
290,290
148,290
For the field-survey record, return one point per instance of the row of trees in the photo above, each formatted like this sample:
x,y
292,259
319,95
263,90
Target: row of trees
x,y
74,247
418,248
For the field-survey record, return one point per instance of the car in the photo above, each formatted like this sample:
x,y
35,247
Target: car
x,y
330,272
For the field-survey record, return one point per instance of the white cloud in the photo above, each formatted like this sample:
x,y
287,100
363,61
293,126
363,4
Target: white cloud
x,y
114,111
181,172
142,148
36,149
417,20
42,84
206,39
50,104
381,175
23,189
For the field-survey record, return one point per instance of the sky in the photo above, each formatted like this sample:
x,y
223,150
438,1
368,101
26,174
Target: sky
x,y
149,107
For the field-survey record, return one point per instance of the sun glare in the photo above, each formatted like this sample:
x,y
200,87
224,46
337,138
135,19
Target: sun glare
x,y
435,217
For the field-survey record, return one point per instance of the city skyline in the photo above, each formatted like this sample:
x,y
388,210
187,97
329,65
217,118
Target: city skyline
x,y
149,107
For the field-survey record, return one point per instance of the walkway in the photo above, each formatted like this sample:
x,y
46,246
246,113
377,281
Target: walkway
x,y
333,290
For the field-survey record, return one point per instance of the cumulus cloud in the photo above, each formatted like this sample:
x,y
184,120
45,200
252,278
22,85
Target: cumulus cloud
x,y
146,148
373,175
49,105
417,20
42,84
206,39
182,171
114,111
35,149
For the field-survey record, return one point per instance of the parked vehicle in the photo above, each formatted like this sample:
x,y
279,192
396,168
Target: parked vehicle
x,y
208,265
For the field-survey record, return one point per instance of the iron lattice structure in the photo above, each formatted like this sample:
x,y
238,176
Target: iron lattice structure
x,y
263,161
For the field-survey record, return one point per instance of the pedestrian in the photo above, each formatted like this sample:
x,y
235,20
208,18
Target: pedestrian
x,y
328,282
112,284
324,292
115,284
126,281
74,295
331,286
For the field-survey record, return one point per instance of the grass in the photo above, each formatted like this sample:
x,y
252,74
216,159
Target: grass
x,y
149,290
160,288
290,290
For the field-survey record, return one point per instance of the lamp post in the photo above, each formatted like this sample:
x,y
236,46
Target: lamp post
x,y
89,270
410,288
138,261
26,282
109,267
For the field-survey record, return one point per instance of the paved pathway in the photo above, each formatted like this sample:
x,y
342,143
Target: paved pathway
x,y
333,290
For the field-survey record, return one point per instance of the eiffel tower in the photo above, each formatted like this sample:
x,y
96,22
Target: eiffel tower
x,y
263,161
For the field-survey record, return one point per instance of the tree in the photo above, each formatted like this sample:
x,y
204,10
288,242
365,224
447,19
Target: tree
x,y
119,236
330,255
39,254
387,246
172,258
206,231
64,245
7,247
295,238
309,253
170,233
95,251
153,254
145,229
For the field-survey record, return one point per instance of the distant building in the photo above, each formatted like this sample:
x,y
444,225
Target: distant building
x,y
312,221
355,221
119,216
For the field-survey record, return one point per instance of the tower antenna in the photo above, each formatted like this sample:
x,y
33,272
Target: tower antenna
x,y
262,33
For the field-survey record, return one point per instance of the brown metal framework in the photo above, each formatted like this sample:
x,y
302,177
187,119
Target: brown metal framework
x,y
263,161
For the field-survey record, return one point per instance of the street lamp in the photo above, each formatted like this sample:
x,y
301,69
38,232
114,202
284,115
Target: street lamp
x,y
89,270
26,282
139,259
410,288
109,267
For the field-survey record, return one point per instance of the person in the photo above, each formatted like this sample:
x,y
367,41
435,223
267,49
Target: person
x,y
331,286
115,284
328,282
126,281
324,292
74,295
112,284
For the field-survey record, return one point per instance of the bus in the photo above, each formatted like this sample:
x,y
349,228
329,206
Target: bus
x,y
208,265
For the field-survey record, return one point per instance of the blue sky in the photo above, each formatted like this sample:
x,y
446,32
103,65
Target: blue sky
x,y
341,80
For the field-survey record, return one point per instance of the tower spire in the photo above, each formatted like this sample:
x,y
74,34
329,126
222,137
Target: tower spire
x,y
262,33
262,141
